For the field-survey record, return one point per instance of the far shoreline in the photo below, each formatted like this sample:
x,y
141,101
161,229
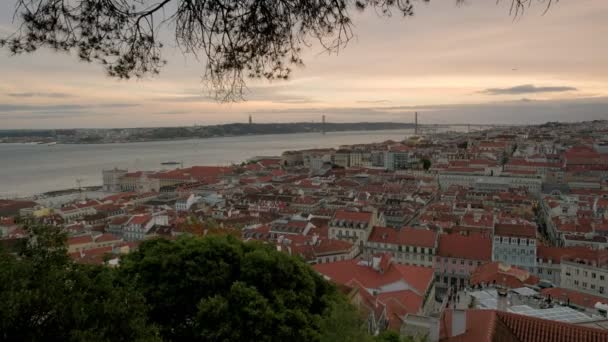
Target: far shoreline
x,y
53,143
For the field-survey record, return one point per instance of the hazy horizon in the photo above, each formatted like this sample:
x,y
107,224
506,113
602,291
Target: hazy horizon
x,y
453,64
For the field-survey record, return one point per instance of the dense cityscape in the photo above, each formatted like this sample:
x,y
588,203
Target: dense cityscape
x,y
303,171
428,236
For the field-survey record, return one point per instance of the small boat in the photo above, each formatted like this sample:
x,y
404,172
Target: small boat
x,y
52,143
170,163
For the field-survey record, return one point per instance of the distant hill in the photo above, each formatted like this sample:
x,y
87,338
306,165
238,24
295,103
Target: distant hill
x,y
84,136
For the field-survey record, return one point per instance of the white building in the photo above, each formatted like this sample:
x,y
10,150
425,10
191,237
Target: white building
x,y
139,226
185,204
589,275
111,179
515,244
489,183
352,226
409,246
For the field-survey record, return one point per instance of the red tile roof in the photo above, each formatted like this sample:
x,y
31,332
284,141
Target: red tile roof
x,y
352,216
78,240
490,325
331,246
406,236
93,256
119,196
107,237
555,254
472,246
515,230
575,297
342,272
119,220
501,274
398,304
140,219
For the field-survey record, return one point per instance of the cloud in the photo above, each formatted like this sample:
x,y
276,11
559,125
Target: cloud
x,y
40,94
526,89
373,101
505,112
42,109
275,94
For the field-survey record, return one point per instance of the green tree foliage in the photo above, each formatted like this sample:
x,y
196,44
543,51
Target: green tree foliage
x,y
344,323
426,164
220,289
191,289
392,336
388,336
44,296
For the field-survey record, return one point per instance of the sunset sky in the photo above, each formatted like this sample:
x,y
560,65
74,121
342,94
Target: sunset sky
x,y
453,64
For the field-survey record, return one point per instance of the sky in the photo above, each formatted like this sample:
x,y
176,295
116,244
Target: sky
x,y
472,63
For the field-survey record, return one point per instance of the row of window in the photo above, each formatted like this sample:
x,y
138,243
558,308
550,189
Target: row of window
x,y
415,257
513,240
585,274
462,262
601,289
514,259
512,250
407,249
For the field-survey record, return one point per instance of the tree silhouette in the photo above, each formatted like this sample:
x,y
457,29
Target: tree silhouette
x,y
238,38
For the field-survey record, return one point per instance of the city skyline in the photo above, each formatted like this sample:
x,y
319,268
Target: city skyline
x,y
529,69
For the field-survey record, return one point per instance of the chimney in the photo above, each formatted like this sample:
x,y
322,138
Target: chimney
x,y
459,322
502,303
315,239
376,262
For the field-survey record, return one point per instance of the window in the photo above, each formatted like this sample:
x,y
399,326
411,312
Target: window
x,y
576,282
462,262
601,277
549,272
585,274
584,284
470,263
593,275
592,286
602,289
453,261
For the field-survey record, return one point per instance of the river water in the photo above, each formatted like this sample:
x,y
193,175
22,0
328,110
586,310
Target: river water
x,y
31,169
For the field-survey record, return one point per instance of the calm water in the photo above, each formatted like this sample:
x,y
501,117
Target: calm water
x,y
30,169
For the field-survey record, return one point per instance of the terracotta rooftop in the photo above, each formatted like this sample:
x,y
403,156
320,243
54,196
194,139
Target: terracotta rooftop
x,y
574,297
140,219
107,237
472,246
342,272
515,230
490,325
352,216
501,274
405,236
556,254
77,240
